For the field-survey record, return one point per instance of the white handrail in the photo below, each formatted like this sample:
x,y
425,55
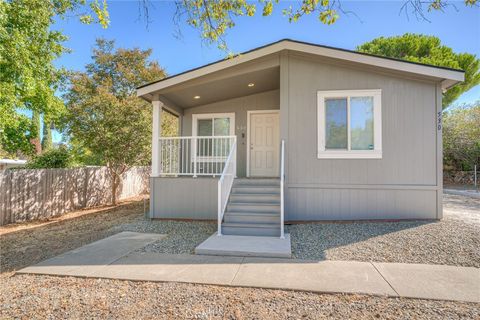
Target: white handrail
x,y
282,196
225,183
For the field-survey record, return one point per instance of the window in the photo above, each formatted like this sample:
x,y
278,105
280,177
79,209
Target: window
x,y
349,124
220,125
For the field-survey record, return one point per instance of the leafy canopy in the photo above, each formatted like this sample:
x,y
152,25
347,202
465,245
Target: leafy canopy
x,y
28,78
461,136
429,50
104,114
28,47
213,18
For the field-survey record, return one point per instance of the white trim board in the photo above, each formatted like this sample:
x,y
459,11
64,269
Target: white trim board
x,y
249,113
197,116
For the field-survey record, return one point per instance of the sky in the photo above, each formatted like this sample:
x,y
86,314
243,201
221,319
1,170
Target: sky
x,y
458,27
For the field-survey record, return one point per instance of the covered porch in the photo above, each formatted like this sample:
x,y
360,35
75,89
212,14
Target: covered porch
x,y
228,131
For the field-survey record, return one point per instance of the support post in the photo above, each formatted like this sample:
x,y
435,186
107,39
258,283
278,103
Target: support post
x,y
156,134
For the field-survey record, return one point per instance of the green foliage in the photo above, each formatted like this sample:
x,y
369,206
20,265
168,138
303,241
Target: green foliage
x,y
28,47
429,50
53,158
214,17
15,139
461,136
104,114
47,142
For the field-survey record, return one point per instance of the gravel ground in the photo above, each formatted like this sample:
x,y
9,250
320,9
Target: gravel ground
x,y
182,236
29,296
41,297
455,240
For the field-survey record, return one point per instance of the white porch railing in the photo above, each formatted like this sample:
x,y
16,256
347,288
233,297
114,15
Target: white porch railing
x,y
194,156
282,195
225,183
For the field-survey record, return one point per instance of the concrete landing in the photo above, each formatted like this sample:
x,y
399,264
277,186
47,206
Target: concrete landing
x,y
115,258
246,246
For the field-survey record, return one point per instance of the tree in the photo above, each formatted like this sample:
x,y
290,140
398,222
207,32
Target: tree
x,y
35,132
214,17
429,50
461,136
105,115
47,140
28,47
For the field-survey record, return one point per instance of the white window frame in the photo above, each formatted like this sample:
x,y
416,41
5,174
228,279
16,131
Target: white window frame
x,y
324,153
199,116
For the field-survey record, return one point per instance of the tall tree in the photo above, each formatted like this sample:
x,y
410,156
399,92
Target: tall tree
x,y
35,132
47,140
429,50
28,47
104,113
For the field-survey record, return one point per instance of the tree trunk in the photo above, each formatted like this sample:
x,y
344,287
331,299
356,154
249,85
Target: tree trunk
x,y
114,188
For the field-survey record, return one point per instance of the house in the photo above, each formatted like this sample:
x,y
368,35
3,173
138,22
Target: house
x,y
294,131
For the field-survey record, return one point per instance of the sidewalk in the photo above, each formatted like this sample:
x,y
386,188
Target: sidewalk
x,y
112,258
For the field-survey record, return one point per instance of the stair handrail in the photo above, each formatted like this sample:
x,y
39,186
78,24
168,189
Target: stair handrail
x,y
282,195
225,186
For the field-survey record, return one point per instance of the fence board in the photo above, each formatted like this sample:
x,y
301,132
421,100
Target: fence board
x,y
29,194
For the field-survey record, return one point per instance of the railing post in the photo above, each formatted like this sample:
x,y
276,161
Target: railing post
x,y
282,196
235,156
219,215
194,157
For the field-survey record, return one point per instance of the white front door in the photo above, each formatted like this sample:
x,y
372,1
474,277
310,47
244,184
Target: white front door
x,y
264,146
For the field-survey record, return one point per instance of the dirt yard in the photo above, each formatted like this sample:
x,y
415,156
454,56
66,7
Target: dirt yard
x,y
30,296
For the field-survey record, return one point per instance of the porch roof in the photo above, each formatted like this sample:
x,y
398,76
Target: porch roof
x,y
261,66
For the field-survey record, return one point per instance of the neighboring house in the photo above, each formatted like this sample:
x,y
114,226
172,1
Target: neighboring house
x,y
10,163
362,139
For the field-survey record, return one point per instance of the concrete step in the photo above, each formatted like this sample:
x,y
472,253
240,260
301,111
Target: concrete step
x,y
252,217
245,246
256,182
253,207
254,189
251,229
255,198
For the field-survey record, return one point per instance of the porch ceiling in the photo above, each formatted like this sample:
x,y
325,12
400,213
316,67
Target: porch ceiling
x,y
226,88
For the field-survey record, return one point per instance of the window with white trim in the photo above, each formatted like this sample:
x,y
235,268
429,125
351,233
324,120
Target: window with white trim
x,y
349,124
213,125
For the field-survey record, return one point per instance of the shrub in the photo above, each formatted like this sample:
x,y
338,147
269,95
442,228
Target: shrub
x,y
53,158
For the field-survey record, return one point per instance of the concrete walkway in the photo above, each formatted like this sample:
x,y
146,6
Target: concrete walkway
x,y
467,193
115,258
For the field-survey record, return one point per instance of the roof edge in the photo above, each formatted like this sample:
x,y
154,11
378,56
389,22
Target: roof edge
x,y
287,40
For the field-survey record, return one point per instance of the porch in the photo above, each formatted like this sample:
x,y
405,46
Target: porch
x,y
225,162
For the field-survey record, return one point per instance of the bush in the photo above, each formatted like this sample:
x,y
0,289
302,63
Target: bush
x,y
461,137
53,158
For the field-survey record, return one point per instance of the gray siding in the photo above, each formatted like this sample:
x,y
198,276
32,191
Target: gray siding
x,y
183,198
403,184
262,101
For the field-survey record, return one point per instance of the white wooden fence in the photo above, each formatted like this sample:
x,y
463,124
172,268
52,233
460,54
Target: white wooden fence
x,y
29,194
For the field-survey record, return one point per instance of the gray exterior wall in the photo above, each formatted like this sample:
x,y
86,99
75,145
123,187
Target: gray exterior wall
x,y
262,101
183,198
404,184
